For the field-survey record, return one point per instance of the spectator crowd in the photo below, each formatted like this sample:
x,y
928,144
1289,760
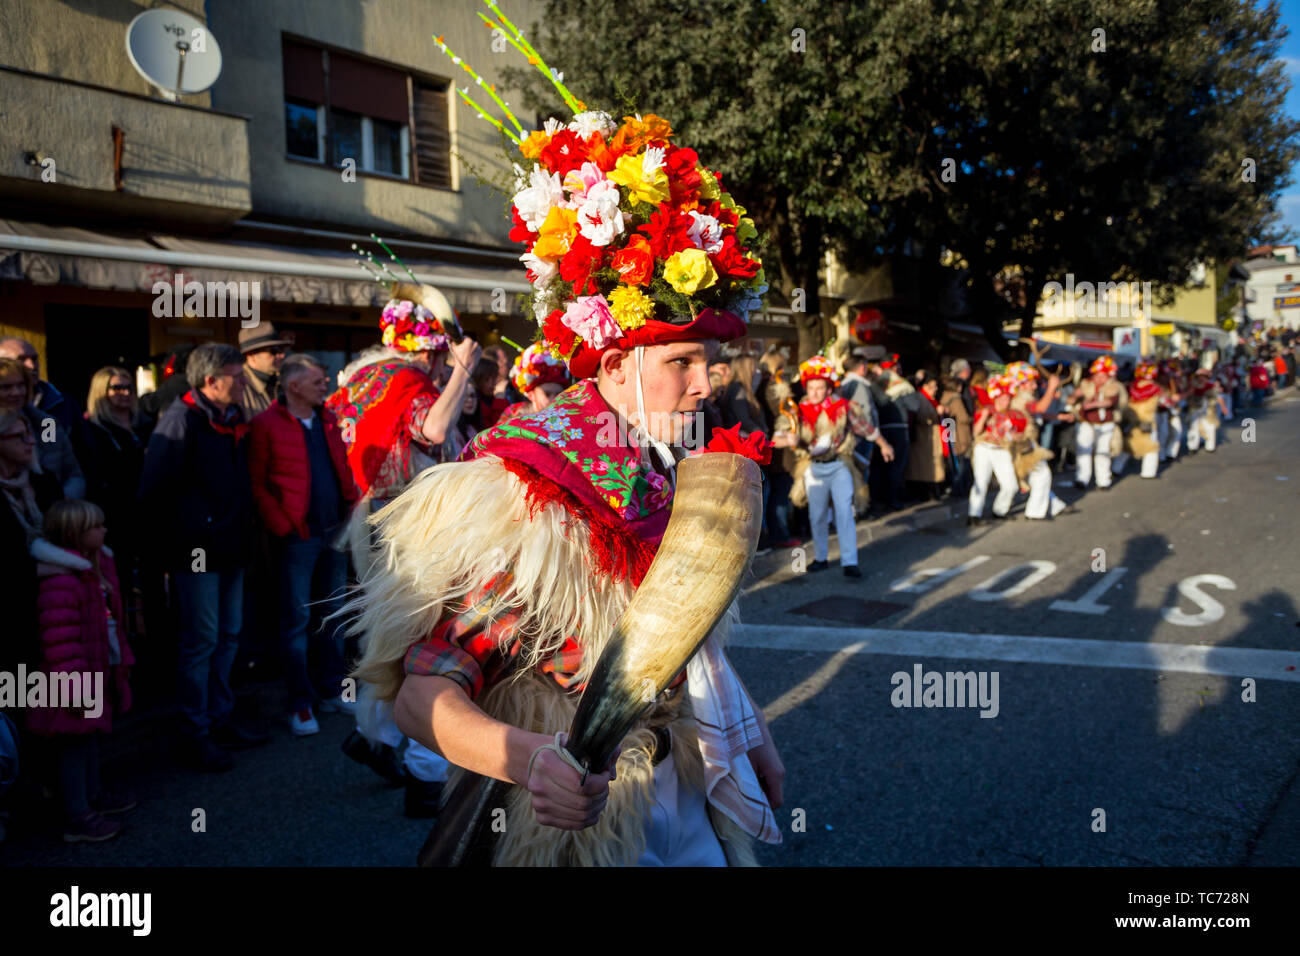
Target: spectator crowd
x,y
172,544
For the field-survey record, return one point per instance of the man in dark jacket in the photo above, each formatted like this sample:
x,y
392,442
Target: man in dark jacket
x,y
304,489
195,481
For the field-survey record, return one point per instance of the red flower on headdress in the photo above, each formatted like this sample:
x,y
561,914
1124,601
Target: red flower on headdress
x,y
667,231
565,152
755,446
635,262
559,334
683,180
520,231
580,262
730,261
600,153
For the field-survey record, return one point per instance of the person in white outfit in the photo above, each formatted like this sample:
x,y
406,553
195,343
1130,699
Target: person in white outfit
x,y
1205,403
1028,456
827,431
1141,416
996,428
1097,401
1171,403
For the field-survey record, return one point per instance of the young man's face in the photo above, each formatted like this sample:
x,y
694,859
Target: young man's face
x,y
674,381
816,390
540,396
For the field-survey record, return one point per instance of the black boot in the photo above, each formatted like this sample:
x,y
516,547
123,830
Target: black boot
x,y
381,759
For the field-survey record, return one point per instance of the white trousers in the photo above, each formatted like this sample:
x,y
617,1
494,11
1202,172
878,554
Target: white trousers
x,y
987,462
1089,441
1150,464
1200,428
1172,436
828,484
680,832
1041,500
380,727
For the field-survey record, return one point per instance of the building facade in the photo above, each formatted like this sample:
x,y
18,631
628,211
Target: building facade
x,y
133,221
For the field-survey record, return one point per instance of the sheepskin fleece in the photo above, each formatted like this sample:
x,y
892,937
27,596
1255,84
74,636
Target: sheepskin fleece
x,y
458,525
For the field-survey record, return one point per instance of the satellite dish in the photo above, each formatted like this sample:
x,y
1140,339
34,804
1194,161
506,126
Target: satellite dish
x,y
173,51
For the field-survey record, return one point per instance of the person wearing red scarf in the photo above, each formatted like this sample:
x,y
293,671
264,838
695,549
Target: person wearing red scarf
x,y
1144,397
827,430
1205,403
997,427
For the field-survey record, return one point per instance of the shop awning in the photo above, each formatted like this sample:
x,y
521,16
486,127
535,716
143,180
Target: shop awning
x,y
53,255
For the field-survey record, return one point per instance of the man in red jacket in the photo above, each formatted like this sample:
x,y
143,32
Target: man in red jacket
x,y
304,490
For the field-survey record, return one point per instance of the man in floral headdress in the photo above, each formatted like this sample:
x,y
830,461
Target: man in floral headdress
x,y
539,376
392,418
1098,401
824,476
639,268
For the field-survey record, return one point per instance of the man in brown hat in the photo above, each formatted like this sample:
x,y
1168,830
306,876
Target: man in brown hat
x,y
264,351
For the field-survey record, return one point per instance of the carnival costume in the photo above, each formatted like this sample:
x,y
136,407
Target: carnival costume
x,y
1203,411
505,572
823,474
533,368
1139,418
991,455
1170,432
1028,457
1096,435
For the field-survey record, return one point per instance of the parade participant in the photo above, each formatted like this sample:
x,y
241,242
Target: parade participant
x,y
539,376
1169,425
557,516
1029,458
1097,401
1139,417
393,420
1225,376
997,427
1204,404
824,476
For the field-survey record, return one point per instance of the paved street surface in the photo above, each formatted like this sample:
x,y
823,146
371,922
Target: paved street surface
x,y
1120,635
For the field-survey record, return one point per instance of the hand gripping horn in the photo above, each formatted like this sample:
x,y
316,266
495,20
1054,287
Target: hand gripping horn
x,y
696,574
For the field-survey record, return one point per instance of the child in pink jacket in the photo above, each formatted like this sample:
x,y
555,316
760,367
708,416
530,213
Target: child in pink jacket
x,y
86,660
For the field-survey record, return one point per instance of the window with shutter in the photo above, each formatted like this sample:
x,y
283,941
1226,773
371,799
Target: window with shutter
x,y
432,136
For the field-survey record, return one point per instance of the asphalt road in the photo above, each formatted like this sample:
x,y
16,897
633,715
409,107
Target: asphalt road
x,y
1116,736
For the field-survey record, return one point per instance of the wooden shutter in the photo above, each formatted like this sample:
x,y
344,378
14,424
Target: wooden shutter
x,y
432,136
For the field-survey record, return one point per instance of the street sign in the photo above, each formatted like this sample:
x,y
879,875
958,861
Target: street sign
x,y
1127,341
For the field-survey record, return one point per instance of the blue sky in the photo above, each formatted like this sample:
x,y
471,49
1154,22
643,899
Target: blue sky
x,y
1290,53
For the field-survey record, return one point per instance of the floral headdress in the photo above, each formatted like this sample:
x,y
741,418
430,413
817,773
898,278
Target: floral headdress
x,y
536,366
1000,385
818,366
1146,369
417,316
630,240
1020,375
1103,363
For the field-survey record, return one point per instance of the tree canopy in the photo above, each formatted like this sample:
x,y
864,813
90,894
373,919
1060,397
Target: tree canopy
x,y
1122,139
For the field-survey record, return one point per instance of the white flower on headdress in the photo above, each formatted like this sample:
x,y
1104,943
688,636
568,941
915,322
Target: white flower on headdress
x,y
599,218
521,177
705,232
593,121
552,126
536,201
651,160
541,272
543,306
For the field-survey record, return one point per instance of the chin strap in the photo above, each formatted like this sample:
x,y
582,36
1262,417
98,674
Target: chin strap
x,y
662,450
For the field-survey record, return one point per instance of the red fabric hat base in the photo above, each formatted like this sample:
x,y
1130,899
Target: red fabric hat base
x,y
709,324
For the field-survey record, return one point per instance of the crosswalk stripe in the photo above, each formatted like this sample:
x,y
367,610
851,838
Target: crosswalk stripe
x,y
1076,652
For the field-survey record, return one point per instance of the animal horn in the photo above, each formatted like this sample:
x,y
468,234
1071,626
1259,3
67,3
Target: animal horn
x,y
696,574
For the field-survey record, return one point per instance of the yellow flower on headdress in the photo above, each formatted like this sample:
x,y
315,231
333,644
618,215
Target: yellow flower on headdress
x,y
689,271
630,172
708,185
557,233
630,307
532,146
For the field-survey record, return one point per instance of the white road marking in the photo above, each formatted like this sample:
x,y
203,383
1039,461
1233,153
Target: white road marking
x,y
1088,603
1075,652
921,581
1190,588
988,590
